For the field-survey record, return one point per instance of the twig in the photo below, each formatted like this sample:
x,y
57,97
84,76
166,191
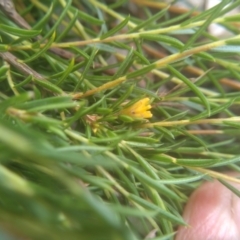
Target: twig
x,y
24,68
8,8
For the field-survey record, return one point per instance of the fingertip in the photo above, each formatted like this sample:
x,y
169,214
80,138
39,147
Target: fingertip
x,y
212,212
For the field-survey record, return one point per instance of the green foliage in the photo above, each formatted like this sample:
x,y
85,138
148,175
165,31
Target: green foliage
x,y
73,163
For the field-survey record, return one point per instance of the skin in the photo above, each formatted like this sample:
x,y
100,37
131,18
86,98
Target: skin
x,y
213,213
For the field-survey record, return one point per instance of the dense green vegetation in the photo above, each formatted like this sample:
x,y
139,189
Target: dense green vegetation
x,y
111,114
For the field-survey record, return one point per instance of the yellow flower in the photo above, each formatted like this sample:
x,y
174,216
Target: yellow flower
x,y
140,109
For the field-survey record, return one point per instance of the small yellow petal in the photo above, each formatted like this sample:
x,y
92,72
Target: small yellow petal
x,y
139,109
